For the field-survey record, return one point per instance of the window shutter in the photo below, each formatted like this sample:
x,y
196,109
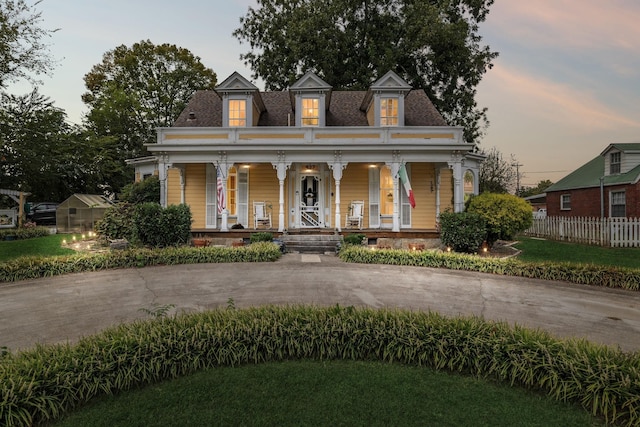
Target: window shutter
x,y
405,206
243,197
374,198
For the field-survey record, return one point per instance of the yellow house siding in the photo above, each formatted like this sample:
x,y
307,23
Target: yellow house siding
x,y
354,185
195,193
424,214
173,187
255,114
446,190
370,115
264,187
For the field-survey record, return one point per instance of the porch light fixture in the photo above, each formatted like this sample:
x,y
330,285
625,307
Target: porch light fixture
x,y
245,166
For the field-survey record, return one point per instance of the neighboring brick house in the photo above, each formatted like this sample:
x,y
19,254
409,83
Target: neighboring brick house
x,y
311,154
607,186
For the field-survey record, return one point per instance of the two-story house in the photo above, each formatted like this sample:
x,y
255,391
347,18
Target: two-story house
x,y
308,153
607,186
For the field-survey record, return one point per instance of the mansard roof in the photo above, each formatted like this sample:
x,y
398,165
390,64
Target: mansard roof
x,y
344,108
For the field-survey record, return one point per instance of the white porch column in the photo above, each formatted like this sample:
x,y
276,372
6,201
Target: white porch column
x,y
438,180
337,167
281,167
395,168
163,166
455,164
223,168
183,182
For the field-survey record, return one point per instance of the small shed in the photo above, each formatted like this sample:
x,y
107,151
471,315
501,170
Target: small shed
x,y
80,212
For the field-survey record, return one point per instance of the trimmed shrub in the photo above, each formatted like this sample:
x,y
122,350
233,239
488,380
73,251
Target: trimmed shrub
x,y
24,232
462,231
42,384
144,191
117,222
354,239
158,227
505,215
262,236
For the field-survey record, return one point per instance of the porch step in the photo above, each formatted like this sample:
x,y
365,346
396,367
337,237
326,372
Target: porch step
x,y
311,243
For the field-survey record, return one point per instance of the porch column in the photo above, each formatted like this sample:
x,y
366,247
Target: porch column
x,y
337,167
222,170
455,164
163,166
395,168
183,182
281,167
438,180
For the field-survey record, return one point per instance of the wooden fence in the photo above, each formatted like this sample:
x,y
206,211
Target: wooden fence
x,y
614,232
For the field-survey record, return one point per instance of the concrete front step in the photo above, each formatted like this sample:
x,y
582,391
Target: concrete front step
x,y
311,243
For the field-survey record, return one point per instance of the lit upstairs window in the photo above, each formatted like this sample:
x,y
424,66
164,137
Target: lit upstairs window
x,y
389,112
237,113
310,112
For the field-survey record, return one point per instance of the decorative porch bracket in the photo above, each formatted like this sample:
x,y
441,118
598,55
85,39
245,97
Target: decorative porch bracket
x,y
337,167
281,166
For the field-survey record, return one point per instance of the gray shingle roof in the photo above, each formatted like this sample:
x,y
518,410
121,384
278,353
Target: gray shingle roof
x,y
344,110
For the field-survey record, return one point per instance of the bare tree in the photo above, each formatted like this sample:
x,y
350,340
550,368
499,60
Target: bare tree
x,y
497,175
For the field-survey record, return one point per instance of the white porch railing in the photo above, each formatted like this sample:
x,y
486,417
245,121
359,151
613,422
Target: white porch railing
x,y
614,232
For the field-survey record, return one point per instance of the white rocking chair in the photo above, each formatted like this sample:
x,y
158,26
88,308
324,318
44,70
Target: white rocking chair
x,y
260,215
354,217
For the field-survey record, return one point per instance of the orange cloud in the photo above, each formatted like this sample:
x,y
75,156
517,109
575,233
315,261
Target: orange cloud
x,y
580,24
553,101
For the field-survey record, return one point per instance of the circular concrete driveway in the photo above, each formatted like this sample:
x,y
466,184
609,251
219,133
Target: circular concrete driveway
x,y
64,308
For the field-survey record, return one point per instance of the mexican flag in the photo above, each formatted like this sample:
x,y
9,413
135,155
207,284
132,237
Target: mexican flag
x,y
407,185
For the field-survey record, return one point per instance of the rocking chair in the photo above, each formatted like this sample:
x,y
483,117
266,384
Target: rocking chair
x,y
354,217
260,215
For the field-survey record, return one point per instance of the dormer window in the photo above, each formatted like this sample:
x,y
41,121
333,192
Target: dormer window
x,y
310,114
389,112
237,113
614,163
384,101
241,102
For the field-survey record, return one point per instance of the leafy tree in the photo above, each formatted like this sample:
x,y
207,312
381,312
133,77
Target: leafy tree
x,y
540,188
22,50
433,45
505,215
497,175
39,151
137,89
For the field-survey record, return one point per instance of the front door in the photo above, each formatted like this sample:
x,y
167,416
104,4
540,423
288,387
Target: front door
x,y
310,196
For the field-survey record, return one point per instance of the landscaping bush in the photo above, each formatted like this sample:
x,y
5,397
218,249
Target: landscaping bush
x,y
118,222
610,277
37,267
262,236
24,232
144,191
354,239
462,231
42,384
161,227
505,215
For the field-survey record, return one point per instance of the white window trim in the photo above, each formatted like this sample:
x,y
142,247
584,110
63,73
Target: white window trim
x,y
562,204
248,98
611,194
321,109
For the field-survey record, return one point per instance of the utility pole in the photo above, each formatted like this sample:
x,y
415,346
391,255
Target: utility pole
x,y
517,166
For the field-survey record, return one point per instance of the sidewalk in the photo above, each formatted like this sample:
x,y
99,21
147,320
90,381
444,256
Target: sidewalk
x,y
64,308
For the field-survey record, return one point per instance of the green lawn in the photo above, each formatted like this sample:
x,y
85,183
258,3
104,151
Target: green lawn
x,y
336,393
536,250
41,246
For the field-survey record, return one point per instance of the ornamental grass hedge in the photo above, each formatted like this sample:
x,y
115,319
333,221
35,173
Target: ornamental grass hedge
x,y
37,267
42,384
585,274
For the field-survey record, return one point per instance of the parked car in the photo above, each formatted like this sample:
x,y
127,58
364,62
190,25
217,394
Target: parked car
x,y
43,213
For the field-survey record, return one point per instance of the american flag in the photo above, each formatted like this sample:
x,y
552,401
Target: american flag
x,y
221,201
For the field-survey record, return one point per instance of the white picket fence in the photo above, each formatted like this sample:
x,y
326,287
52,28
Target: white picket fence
x,y
614,232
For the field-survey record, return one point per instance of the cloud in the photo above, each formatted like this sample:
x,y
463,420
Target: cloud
x,y
583,24
551,101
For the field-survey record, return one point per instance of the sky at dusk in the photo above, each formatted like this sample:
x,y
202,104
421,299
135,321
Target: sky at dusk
x,y
566,83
